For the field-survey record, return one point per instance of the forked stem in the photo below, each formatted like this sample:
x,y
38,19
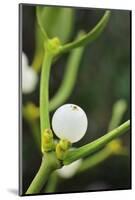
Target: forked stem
x,y
92,147
48,165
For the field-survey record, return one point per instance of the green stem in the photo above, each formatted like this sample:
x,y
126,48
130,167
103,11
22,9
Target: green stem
x,y
69,79
94,160
48,165
89,37
52,183
92,147
44,94
118,111
40,24
99,157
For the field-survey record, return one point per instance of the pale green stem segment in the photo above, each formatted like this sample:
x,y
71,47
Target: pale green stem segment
x,y
69,78
48,165
44,94
94,160
99,157
52,183
89,37
118,111
90,148
40,24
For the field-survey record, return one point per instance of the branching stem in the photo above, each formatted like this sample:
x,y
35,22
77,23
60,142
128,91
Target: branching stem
x,y
92,147
49,164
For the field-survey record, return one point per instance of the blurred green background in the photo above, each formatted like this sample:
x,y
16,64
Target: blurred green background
x,y
103,78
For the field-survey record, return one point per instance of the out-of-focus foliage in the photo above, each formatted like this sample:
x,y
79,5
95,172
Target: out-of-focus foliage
x,y
57,22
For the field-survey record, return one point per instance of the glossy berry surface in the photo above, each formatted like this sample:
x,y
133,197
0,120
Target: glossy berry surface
x,y
70,122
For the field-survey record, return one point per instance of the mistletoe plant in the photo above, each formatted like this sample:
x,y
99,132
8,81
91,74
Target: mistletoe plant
x,y
69,122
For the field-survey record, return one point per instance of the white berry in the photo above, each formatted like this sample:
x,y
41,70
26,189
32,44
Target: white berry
x,y
29,76
69,122
24,60
68,171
